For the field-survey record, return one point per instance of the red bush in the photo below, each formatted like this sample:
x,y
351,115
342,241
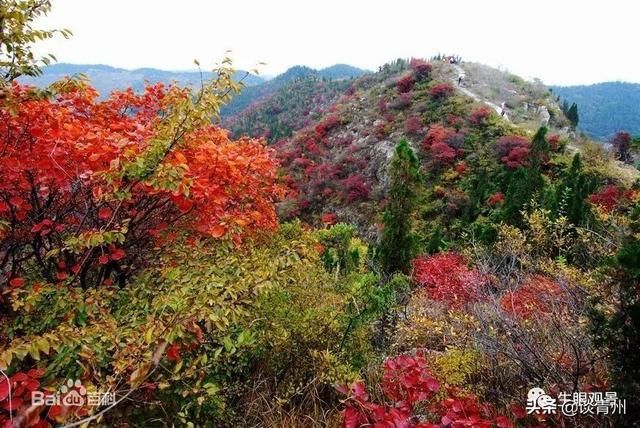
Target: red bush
x,y
496,199
513,151
461,167
327,125
534,297
441,91
329,218
413,125
420,67
609,197
479,116
447,279
436,143
406,381
355,188
406,83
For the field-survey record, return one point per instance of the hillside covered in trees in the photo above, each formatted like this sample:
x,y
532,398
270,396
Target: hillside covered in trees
x,y
605,108
421,246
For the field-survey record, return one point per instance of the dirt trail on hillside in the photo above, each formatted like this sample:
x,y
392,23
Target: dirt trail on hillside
x,y
461,74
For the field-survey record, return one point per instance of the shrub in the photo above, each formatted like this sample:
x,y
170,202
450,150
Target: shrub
x,y
406,83
355,188
447,279
513,151
479,116
420,67
536,296
441,91
413,125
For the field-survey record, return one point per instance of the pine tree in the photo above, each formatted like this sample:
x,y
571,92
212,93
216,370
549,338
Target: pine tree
x,y
572,115
398,244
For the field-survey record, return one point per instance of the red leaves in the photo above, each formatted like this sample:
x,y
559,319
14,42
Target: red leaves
x,y
105,213
329,123
479,116
495,199
536,296
441,91
447,279
329,219
420,67
173,352
16,282
64,159
413,125
407,380
609,198
513,151
438,143
406,83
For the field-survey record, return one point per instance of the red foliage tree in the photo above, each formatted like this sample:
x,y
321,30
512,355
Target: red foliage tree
x,y
420,67
621,143
447,279
94,171
441,91
406,83
513,151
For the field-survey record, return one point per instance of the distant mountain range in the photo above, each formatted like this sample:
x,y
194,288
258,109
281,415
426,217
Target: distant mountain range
x,y
107,79
605,108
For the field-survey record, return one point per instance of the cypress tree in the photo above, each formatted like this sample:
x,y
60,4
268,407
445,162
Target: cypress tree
x,y
526,183
572,115
572,192
398,243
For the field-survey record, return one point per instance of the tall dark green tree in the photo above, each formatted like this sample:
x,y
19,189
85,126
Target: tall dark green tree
x,y
398,244
570,198
572,115
526,182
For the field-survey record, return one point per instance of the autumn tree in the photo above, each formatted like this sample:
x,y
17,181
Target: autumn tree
x,y
17,34
398,243
621,143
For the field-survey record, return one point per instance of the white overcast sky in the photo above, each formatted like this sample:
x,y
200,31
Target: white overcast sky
x,y
560,42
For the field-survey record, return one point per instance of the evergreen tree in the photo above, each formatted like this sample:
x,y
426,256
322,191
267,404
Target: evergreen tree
x,y
570,197
618,330
526,182
572,115
398,244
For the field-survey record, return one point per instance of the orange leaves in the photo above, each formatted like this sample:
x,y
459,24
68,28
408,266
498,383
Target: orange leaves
x,y
536,296
218,231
